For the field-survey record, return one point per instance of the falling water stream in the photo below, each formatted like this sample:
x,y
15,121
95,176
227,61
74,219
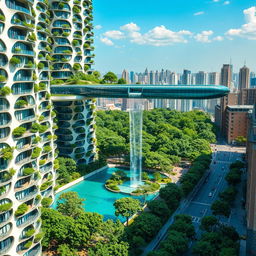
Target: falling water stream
x,y
136,122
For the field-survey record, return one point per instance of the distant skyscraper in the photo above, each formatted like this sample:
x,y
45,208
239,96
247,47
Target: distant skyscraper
x,y
132,77
226,75
244,78
214,78
200,78
244,81
186,105
157,77
125,76
152,79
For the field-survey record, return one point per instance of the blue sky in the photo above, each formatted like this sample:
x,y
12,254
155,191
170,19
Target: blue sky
x,y
174,34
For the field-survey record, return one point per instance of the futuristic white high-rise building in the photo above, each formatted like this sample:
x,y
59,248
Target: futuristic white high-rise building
x,y
39,41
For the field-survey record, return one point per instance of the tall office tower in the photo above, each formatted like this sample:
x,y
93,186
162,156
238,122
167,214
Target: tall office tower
x,y
226,75
226,80
173,79
157,77
244,81
161,77
132,77
125,76
146,77
186,105
141,78
35,44
167,76
213,79
152,78
200,79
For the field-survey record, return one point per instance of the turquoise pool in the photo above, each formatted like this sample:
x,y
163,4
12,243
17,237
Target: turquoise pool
x,y
98,199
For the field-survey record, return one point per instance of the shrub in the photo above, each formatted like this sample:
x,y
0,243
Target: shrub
x,y
30,233
22,209
76,66
46,202
40,65
36,152
42,161
4,91
27,244
28,171
21,103
19,131
38,237
5,207
15,61
2,18
45,185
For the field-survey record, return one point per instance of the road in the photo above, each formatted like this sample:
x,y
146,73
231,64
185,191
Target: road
x,y
200,205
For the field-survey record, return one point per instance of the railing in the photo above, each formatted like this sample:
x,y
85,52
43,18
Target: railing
x,y
27,220
7,246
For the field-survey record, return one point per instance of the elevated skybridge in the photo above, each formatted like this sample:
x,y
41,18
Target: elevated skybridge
x,y
142,91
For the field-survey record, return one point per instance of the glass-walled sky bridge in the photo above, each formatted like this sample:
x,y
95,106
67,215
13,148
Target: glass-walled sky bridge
x,y
142,91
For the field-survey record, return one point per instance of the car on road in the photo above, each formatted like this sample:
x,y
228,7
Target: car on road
x,y
210,194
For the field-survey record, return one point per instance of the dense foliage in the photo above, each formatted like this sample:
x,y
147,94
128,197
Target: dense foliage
x,y
217,239
168,136
69,230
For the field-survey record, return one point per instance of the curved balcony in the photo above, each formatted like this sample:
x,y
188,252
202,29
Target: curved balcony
x,y
5,119
17,5
5,230
63,7
80,137
64,124
22,88
25,115
23,48
27,218
80,143
4,190
65,138
4,104
46,168
4,217
4,132
5,245
47,192
26,194
3,60
2,46
65,151
24,183
80,130
62,15
23,157
78,116
35,251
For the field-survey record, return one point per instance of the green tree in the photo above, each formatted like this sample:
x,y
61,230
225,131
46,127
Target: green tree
x,y
65,250
122,81
203,248
70,204
172,195
220,207
110,77
159,208
127,207
208,223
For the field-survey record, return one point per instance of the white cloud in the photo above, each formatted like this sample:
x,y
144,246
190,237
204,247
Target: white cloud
x,y
215,1
198,13
130,27
218,38
226,3
114,34
98,27
106,41
247,30
203,37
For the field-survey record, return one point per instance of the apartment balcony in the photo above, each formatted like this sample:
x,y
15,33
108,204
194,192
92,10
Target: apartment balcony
x,y
35,251
6,188
24,157
26,194
4,217
5,230
5,245
28,218
19,6
25,183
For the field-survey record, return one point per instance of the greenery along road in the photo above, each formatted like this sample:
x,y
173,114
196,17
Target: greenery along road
x,y
168,136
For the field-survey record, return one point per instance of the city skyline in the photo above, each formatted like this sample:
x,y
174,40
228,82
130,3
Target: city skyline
x,y
176,36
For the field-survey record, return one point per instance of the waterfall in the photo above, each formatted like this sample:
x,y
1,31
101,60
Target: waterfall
x,y
136,114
